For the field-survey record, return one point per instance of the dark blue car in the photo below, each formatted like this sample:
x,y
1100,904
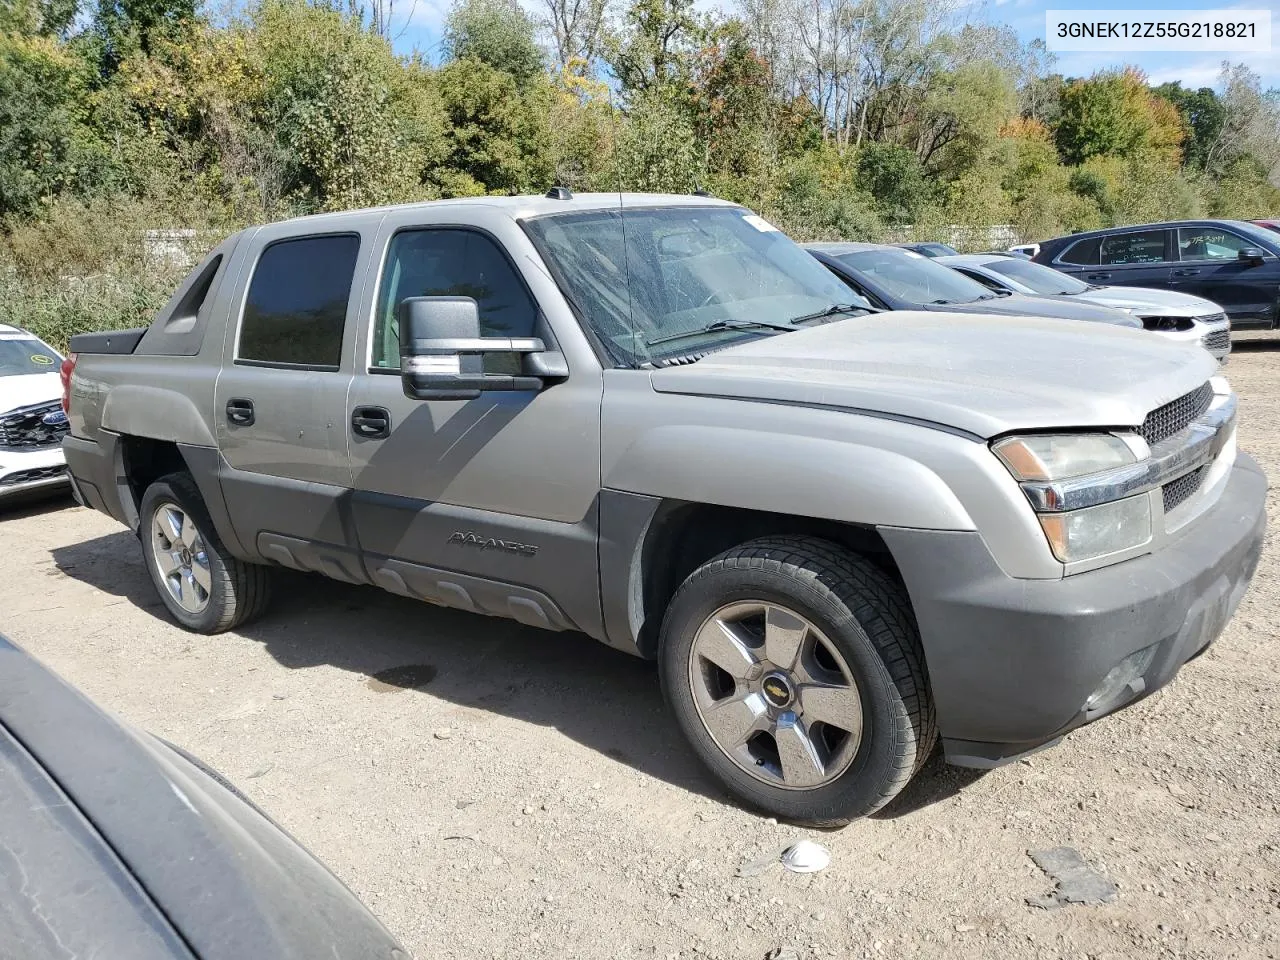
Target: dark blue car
x,y
1231,262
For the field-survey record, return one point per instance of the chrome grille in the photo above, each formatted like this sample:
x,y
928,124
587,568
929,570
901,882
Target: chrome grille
x,y
27,476
1163,422
33,427
1177,491
1216,340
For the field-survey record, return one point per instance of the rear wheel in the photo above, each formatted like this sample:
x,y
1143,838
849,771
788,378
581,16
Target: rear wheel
x,y
794,668
204,588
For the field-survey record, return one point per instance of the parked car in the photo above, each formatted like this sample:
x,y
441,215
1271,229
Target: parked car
x,y
1177,316
930,249
890,278
1269,224
32,421
1026,249
1231,262
117,844
656,420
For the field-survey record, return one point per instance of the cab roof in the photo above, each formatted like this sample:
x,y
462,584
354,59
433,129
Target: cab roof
x,y
535,205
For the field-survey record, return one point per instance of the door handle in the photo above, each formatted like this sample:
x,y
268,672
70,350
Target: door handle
x,y
1185,273
1098,276
240,411
371,423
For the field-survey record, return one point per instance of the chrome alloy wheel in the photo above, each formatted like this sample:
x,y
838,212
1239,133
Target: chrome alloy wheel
x,y
775,695
181,557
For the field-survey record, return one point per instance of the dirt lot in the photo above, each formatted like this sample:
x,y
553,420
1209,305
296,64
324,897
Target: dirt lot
x,y
522,794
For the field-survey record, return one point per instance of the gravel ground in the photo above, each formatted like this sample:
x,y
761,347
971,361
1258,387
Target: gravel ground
x,y
495,791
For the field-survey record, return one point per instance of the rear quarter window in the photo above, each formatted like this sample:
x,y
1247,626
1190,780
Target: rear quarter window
x,y
295,312
1082,253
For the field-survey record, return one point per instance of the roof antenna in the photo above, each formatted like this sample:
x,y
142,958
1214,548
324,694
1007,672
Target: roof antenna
x,y
700,192
559,193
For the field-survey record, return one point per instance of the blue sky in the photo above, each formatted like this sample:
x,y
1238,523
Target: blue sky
x,y
419,21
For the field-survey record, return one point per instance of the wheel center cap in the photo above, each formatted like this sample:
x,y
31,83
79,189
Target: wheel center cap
x,y
777,689
185,557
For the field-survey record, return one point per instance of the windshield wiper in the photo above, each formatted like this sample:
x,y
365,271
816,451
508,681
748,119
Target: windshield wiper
x,y
832,311
715,325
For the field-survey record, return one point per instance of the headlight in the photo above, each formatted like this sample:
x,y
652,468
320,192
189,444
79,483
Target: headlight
x,y
1098,531
1061,456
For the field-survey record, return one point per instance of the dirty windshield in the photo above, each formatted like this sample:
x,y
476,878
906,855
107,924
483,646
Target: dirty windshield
x,y
685,279
24,355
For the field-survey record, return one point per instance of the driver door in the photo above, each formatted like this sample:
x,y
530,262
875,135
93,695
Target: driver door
x,y
486,504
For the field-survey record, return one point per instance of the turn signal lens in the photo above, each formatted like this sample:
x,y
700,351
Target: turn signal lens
x,y
1060,456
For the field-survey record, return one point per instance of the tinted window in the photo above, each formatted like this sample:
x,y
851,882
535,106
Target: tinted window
x,y
1040,279
452,263
981,278
23,355
915,278
1210,243
1144,247
297,304
676,270
1083,252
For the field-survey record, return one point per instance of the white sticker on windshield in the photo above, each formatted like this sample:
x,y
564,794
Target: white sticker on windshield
x,y
760,223
912,253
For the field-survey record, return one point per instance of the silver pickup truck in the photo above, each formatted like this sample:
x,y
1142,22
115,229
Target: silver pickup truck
x,y
657,421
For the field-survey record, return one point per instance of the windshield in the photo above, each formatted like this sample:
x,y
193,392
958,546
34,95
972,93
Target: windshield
x,y
23,355
914,278
1255,231
678,270
1041,279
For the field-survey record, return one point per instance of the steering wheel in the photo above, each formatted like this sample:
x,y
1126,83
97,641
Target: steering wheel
x,y
713,295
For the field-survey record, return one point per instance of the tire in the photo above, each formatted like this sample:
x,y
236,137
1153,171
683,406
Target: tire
x,y
235,592
835,609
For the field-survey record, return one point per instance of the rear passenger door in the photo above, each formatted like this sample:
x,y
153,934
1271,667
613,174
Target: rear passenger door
x,y
280,401
1208,266
1142,258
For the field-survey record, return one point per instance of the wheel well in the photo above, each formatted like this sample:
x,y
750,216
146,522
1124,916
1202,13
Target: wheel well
x,y
144,461
683,536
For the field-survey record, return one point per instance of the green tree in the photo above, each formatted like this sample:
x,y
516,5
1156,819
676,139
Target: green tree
x,y
1115,114
894,177
497,33
656,45
497,136
1204,115
46,144
658,148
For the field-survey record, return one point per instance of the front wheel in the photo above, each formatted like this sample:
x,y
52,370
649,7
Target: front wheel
x,y
203,586
795,669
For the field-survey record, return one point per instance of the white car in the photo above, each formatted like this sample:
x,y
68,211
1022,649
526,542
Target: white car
x,y
1177,316
32,421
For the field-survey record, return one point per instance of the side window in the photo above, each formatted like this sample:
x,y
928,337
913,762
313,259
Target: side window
x,y
1209,243
296,308
982,278
449,262
1082,253
1144,247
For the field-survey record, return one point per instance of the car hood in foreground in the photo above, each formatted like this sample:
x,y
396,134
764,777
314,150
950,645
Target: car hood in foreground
x,y
1170,303
984,375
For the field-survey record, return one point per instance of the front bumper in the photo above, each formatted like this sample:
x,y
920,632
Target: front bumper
x,y
24,472
1013,663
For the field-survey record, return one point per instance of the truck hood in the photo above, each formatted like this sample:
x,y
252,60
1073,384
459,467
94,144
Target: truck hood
x,y
985,375
23,390
1145,299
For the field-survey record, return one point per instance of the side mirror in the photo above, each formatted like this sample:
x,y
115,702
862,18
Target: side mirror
x,y
1250,255
442,352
